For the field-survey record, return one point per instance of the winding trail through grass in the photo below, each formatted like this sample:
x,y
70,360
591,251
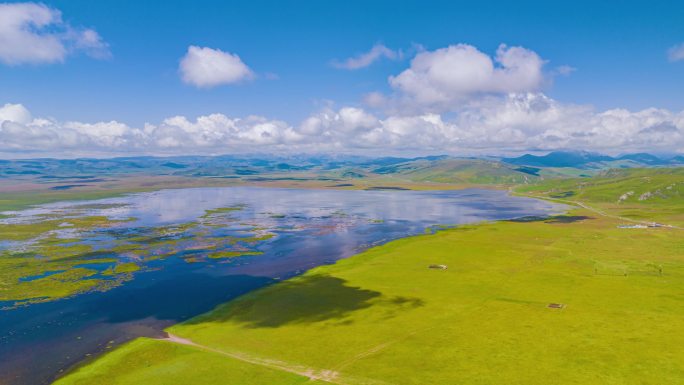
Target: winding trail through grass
x,y
329,376
594,210
603,213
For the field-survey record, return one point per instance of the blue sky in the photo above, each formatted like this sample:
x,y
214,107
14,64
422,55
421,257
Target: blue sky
x,y
618,50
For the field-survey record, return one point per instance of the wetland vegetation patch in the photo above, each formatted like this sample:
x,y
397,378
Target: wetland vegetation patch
x,y
48,258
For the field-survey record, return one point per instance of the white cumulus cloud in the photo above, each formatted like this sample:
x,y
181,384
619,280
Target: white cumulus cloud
x,y
452,75
35,33
15,113
365,59
205,67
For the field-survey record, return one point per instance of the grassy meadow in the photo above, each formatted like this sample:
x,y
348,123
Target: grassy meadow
x,y
168,363
568,300
652,194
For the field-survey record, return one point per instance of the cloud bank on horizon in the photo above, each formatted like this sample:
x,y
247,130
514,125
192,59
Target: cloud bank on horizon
x,y
455,99
512,123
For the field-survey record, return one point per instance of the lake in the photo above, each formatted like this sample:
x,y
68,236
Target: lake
x,y
277,233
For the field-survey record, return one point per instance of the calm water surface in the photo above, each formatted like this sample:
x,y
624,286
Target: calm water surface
x,y
311,227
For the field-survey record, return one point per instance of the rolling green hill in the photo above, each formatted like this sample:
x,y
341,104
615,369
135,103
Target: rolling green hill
x,y
643,193
461,171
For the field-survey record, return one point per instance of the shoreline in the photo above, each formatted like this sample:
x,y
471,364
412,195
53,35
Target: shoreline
x,y
170,337
389,292
485,194
11,200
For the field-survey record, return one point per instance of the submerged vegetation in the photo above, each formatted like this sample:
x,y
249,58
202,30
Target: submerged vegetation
x,y
47,258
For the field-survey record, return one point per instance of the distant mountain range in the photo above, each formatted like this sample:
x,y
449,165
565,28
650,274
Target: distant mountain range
x,y
433,169
588,160
438,169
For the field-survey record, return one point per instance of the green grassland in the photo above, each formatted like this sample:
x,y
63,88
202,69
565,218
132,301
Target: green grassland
x,y
653,194
167,363
458,171
384,317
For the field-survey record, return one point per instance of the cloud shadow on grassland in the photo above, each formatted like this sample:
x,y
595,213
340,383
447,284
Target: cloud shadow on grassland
x,y
305,299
